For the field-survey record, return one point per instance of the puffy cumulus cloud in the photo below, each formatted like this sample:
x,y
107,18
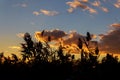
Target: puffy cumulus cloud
x,y
45,12
58,36
55,34
69,40
110,42
72,41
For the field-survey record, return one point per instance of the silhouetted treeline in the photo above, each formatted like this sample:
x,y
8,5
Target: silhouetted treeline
x,y
40,62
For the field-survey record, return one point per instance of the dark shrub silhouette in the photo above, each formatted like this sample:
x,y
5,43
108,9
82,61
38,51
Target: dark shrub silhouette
x,y
40,62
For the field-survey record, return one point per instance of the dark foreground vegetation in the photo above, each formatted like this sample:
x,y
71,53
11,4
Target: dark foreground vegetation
x,y
40,62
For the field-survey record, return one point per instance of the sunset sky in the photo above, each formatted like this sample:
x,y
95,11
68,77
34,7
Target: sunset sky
x,y
76,17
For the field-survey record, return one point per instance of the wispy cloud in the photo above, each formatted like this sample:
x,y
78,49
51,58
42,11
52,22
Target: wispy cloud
x,y
36,13
75,4
104,9
20,35
46,12
96,3
24,5
70,10
90,6
84,1
32,23
91,10
80,4
15,47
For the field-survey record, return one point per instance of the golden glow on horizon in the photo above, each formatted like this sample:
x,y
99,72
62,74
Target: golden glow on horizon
x,y
67,40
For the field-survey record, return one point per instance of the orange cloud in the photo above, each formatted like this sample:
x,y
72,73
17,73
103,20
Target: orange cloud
x,y
59,36
115,25
110,42
68,40
117,4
